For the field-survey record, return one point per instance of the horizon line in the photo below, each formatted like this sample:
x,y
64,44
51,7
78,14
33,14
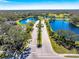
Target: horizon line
x,y
39,9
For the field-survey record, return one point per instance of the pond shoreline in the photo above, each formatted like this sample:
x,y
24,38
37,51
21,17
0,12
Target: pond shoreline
x,y
63,25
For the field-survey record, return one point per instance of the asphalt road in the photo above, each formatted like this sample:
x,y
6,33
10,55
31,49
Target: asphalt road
x,y
46,52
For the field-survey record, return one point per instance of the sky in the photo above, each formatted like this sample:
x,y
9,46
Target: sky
x,y
38,4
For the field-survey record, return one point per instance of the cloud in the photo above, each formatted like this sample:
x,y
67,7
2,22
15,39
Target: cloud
x,y
3,1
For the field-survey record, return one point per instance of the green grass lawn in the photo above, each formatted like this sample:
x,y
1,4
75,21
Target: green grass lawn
x,y
60,49
72,56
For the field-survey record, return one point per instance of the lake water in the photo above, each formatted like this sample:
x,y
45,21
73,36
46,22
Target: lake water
x,y
63,25
25,21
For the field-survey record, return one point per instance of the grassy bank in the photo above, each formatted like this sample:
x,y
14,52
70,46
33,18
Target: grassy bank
x,y
72,56
60,49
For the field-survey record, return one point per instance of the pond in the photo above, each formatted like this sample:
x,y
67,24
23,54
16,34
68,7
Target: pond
x,y
25,21
63,25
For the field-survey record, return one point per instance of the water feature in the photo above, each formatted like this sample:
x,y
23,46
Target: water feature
x,y
63,25
25,21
